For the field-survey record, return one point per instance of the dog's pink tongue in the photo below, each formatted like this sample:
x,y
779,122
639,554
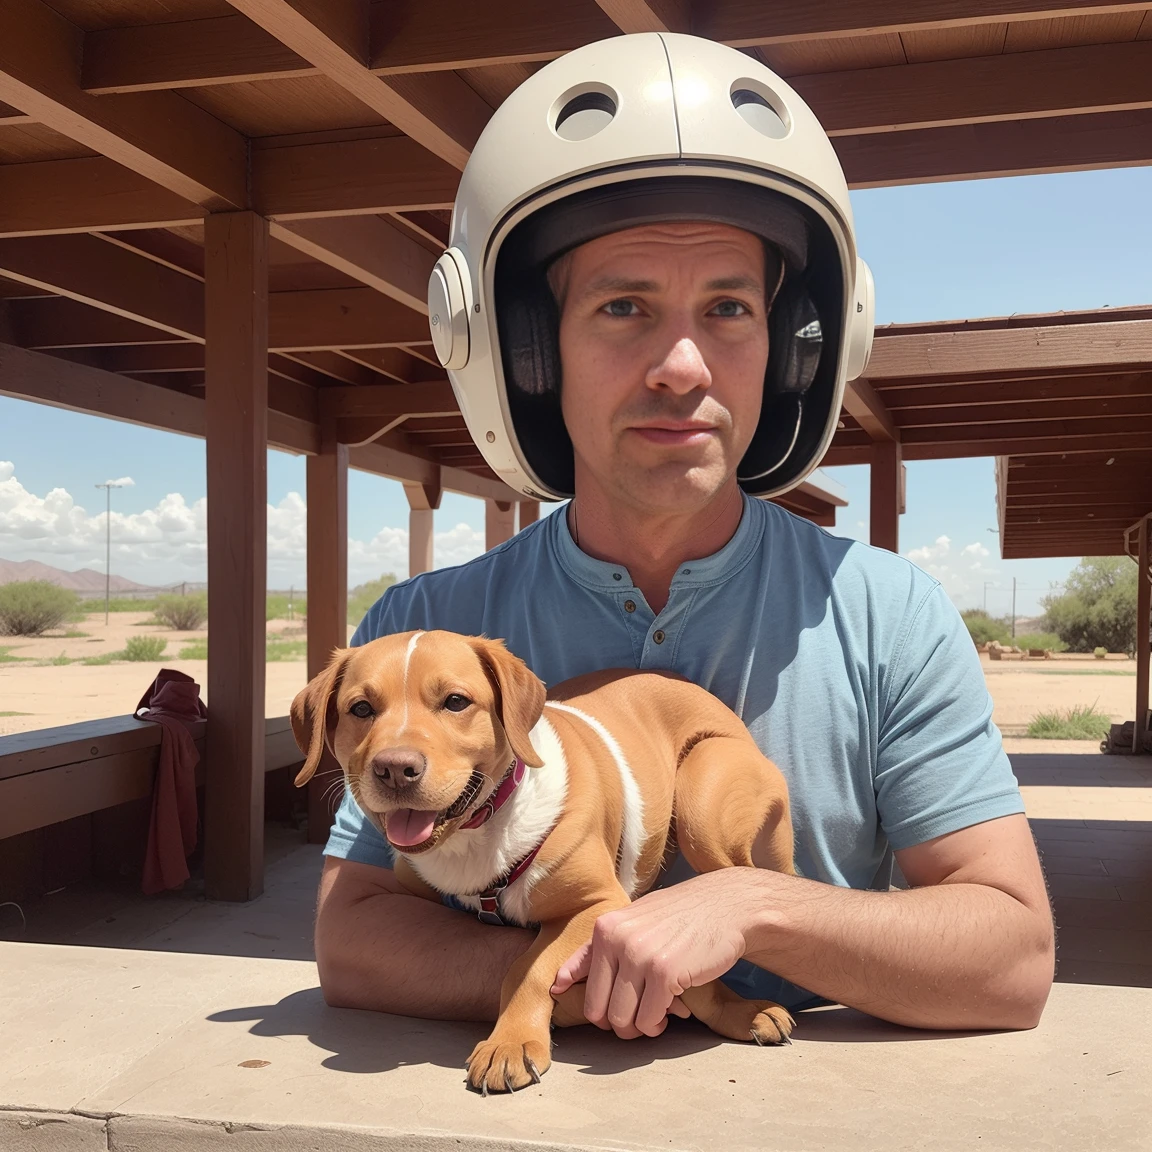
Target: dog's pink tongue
x,y
409,826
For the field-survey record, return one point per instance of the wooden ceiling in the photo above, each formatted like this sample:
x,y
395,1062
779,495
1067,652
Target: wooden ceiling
x,y
346,123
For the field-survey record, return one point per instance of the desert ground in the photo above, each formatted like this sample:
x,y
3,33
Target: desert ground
x,y
37,694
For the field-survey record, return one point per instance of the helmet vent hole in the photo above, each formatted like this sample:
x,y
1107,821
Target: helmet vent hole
x,y
757,113
585,115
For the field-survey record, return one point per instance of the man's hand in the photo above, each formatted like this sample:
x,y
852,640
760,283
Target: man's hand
x,y
642,957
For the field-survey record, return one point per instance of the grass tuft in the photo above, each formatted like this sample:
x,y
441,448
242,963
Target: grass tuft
x,y
1079,723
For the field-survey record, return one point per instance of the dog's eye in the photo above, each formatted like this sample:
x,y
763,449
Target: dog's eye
x,y
362,709
456,703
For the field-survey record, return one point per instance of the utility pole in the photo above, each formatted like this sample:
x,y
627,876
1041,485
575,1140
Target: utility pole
x,y
987,584
1013,607
108,485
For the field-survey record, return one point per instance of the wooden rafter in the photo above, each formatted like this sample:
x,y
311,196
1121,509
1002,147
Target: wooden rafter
x,y
648,15
439,110
869,411
159,135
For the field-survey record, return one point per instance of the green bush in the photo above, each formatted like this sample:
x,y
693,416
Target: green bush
x,y
281,606
1079,723
1049,641
182,613
32,607
984,628
1097,608
91,605
1100,653
147,649
363,596
195,650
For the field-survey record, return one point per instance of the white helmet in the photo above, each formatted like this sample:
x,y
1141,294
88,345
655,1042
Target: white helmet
x,y
629,131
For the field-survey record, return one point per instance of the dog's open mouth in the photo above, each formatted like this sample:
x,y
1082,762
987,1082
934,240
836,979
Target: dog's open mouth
x,y
412,828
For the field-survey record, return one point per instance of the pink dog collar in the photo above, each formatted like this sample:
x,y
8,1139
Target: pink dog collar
x,y
500,797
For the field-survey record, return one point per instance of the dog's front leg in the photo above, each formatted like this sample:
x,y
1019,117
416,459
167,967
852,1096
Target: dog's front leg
x,y
519,1051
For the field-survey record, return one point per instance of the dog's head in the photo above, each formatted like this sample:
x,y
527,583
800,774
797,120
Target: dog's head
x,y
424,724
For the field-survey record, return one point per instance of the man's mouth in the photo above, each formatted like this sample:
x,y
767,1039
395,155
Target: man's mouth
x,y
415,829
675,432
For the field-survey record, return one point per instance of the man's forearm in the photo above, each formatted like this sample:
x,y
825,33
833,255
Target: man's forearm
x,y
945,956
403,954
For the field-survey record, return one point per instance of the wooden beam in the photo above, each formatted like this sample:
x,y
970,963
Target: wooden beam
x,y
499,522
185,54
1010,148
971,394
106,276
327,576
57,322
887,495
438,110
85,194
236,408
1009,445
990,351
1016,85
742,23
396,363
423,500
373,175
648,15
368,249
863,404
389,400
342,318
407,467
159,135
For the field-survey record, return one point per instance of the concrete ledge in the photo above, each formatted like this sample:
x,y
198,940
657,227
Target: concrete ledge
x,y
177,1050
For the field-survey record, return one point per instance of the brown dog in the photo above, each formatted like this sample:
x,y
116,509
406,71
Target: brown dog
x,y
546,814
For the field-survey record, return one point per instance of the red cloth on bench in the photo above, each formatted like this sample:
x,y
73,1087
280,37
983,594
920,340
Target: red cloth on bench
x,y
174,703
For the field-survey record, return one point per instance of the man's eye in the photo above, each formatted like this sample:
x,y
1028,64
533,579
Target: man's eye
x,y
456,703
621,308
362,709
730,308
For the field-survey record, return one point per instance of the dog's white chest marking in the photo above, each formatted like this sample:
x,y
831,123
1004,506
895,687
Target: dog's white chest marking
x,y
472,859
632,832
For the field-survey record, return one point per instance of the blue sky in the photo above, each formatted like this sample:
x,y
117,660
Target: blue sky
x,y
938,251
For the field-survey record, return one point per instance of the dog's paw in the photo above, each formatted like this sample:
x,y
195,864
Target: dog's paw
x,y
771,1024
505,1067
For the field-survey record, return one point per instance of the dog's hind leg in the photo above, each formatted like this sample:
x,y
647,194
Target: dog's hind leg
x,y
731,808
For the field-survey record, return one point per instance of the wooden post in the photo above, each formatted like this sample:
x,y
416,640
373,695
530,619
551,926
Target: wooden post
x,y
499,522
423,500
887,495
529,513
327,478
1143,623
236,418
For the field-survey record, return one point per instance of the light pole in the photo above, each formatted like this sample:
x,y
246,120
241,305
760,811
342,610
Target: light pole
x,y
108,485
987,584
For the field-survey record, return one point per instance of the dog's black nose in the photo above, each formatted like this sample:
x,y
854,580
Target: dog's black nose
x,y
399,767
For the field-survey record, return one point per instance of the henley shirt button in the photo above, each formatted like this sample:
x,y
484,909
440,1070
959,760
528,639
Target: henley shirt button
x,y
629,605
617,576
658,636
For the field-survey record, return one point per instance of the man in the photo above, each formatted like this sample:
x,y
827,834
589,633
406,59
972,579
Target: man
x,y
652,303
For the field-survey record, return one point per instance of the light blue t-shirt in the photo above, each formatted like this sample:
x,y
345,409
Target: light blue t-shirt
x,y
850,666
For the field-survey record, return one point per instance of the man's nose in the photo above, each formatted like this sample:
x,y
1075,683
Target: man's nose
x,y
399,767
682,369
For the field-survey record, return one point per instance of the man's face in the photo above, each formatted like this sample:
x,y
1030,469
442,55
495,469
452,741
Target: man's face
x,y
663,345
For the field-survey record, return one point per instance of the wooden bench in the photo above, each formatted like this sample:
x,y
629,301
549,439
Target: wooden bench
x,y
56,774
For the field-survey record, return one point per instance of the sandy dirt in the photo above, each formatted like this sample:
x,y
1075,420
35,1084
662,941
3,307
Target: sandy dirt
x,y
49,695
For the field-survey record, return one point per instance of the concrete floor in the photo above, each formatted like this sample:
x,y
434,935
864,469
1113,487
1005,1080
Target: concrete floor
x,y
129,1023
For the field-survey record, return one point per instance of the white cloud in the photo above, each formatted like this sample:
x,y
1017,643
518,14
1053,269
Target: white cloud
x,y
168,543
962,573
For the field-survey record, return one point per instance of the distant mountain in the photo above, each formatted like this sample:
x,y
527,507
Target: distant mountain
x,y
83,581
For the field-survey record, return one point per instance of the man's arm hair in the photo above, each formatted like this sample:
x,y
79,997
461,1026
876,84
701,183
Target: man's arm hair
x,y
970,945
381,948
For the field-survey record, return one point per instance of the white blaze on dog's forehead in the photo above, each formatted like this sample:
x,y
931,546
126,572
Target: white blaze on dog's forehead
x,y
632,833
407,661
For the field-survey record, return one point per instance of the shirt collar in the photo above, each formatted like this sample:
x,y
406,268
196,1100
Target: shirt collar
x,y
603,576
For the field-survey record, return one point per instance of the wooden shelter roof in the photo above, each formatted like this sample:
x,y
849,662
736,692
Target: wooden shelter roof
x,y
345,123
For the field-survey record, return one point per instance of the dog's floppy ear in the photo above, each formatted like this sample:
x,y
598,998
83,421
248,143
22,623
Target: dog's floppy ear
x,y
520,695
314,715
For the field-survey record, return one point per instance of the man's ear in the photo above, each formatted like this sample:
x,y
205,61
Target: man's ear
x,y
314,714
519,698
